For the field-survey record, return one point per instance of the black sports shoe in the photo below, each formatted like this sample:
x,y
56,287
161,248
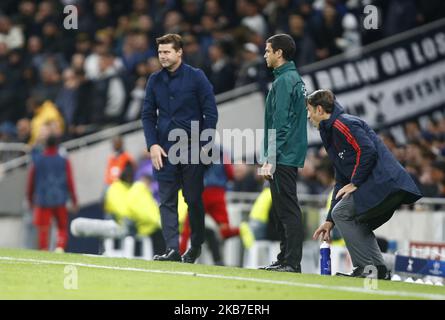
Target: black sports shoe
x,y
285,268
169,255
383,273
359,272
191,255
273,264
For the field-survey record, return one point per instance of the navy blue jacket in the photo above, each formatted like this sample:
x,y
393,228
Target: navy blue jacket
x,y
173,101
361,158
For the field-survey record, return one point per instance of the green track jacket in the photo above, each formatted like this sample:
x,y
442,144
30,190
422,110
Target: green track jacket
x,y
286,113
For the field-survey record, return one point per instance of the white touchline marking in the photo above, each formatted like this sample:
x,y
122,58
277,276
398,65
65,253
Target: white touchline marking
x,y
215,276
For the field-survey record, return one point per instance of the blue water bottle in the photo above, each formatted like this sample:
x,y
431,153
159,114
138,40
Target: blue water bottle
x,y
325,258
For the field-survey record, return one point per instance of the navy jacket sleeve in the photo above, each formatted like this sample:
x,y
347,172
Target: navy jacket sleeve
x,y
207,102
150,115
365,152
340,182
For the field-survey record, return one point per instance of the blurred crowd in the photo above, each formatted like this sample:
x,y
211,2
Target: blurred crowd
x,y
72,82
68,83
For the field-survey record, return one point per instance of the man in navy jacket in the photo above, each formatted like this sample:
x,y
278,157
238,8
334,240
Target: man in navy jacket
x,y
179,97
370,182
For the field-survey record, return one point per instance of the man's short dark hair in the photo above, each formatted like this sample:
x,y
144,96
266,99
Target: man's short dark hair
x,y
285,43
324,98
173,38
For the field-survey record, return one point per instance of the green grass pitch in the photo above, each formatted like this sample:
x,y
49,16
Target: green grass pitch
x,y
27,274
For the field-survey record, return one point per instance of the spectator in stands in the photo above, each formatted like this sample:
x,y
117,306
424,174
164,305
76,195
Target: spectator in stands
x,y
24,19
51,83
437,173
66,100
136,100
252,68
50,185
136,49
251,17
412,131
108,92
92,68
10,34
222,73
103,18
23,130
350,41
277,14
78,62
305,47
82,121
212,8
326,31
83,46
44,111
193,54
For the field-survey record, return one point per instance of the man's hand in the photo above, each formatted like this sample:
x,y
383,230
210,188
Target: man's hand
x,y
345,191
156,153
266,171
324,230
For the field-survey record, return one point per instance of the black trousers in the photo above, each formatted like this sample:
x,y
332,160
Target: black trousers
x,y
288,216
190,178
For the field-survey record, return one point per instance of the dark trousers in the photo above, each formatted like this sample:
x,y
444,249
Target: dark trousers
x,y
357,231
190,178
288,216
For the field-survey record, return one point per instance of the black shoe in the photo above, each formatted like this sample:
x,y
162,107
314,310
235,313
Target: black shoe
x,y
383,273
169,255
284,268
273,264
357,272
191,255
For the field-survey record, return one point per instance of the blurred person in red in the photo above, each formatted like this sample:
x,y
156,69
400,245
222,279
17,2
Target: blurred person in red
x,y
50,184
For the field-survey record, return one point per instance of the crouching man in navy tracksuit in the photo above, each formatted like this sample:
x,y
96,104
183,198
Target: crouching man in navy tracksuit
x,y
370,182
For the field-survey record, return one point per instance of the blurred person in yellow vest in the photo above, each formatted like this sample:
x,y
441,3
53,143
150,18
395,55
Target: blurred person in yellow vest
x,y
143,208
44,112
115,202
260,225
133,206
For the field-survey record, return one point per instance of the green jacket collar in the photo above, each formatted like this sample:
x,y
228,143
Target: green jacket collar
x,y
290,65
